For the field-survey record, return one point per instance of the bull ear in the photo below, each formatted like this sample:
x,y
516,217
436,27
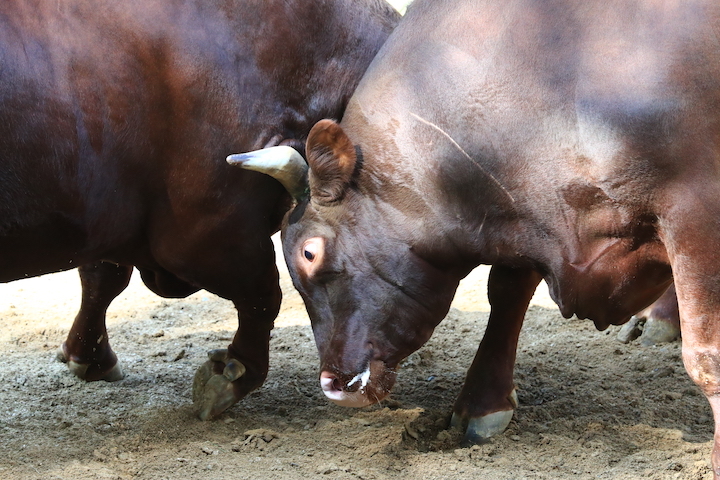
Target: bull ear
x,y
283,163
332,160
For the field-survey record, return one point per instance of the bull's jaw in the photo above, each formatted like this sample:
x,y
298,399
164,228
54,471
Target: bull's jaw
x,y
366,388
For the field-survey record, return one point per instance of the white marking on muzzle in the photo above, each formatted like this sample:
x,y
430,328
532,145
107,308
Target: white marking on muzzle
x,y
364,377
342,397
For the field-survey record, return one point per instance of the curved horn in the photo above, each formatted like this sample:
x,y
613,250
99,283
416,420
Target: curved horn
x,y
283,163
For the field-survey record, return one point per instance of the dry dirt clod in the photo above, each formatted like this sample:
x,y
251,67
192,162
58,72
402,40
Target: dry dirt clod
x,y
410,430
208,451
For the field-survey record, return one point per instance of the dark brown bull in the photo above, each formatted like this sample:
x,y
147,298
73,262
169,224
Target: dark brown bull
x,y
115,121
577,142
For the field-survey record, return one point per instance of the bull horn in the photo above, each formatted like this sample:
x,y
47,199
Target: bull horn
x,y
283,163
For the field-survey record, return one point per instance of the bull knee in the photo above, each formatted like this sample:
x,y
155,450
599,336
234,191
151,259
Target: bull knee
x,y
703,366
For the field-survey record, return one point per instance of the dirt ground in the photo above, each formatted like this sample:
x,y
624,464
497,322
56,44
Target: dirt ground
x,y
590,407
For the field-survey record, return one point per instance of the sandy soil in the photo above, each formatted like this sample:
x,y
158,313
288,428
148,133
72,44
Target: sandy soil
x,y
590,407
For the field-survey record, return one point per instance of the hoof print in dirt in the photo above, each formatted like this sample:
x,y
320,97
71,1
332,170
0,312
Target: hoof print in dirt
x,y
213,390
259,439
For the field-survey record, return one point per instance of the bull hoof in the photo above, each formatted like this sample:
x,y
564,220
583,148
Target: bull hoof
x,y
479,430
631,330
659,331
213,393
87,371
650,331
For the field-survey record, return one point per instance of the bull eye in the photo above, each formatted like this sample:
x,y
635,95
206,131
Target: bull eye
x,y
312,253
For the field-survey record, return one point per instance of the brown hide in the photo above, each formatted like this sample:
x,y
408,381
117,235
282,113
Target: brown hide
x,y
574,141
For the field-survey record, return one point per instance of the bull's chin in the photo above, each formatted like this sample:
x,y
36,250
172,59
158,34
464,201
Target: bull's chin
x,y
354,399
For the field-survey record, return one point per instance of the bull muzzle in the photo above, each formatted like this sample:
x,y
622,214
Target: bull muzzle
x,y
363,389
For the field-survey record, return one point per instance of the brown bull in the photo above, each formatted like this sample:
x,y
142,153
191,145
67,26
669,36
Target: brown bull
x,y
115,121
575,141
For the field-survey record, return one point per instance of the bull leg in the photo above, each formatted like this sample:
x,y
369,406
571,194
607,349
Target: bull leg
x,y
87,349
661,322
701,350
690,237
487,400
230,374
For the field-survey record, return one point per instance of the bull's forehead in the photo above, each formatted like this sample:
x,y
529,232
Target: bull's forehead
x,y
309,222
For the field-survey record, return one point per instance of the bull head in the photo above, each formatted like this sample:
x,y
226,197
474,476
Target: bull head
x,y
372,299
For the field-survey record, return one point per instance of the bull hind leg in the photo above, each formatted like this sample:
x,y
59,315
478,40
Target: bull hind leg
x,y
87,348
487,400
658,323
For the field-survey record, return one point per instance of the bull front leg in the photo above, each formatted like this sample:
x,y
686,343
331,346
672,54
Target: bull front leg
x,y
700,327
87,348
488,399
230,374
690,235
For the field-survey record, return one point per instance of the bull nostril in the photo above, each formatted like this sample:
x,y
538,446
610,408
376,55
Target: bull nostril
x,y
336,385
350,394
330,383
